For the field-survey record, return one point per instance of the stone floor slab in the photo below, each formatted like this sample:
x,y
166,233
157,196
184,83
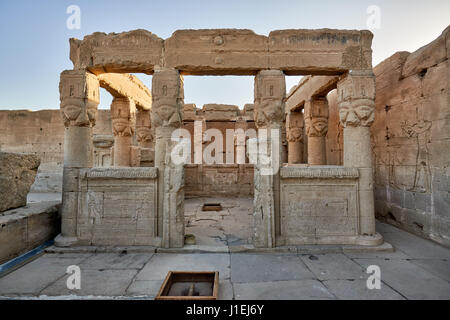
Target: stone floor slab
x,y
38,274
410,280
357,290
440,268
96,283
416,247
148,288
282,290
102,261
265,267
161,263
333,266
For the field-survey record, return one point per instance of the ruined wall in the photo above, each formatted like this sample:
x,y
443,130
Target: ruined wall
x,y
411,140
42,133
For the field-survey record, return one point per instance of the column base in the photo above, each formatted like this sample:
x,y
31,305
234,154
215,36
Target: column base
x,y
372,240
61,241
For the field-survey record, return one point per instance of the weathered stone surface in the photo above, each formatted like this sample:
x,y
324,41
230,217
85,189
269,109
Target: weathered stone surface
x,y
225,51
129,86
133,51
118,206
38,274
216,51
429,55
103,282
410,140
357,290
319,205
17,174
26,228
301,51
398,274
162,263
266,268
282,290
333,266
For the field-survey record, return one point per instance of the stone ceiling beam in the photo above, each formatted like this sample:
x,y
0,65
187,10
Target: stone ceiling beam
x,y
310,87
128,86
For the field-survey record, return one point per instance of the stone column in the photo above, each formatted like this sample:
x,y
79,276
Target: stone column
x,y
79,96
167,115
316,122
356,100
239,141
123,117
270,92
294,135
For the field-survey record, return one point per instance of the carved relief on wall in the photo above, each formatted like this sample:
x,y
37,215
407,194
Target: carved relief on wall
x,y
270,91
167,97
420,132
123,117
95,207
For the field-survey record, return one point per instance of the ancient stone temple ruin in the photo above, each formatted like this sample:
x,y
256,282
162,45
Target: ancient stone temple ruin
x,y
129,190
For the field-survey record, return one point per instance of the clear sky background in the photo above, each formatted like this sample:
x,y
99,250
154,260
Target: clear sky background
x,y
35,39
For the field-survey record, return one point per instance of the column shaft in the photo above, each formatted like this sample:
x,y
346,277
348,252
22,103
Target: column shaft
x,y
356,99
316,121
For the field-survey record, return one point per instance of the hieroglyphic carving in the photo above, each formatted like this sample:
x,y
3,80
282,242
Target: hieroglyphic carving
x,y
168,95
123,117
270,92
316,117
79,96
420,131
319,173
120,173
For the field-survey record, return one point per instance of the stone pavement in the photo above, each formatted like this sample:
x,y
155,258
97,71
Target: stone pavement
x,y
418,269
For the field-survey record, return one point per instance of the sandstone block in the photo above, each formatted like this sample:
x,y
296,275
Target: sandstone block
x,y
427,56
17,173
133,51
321,51
216,51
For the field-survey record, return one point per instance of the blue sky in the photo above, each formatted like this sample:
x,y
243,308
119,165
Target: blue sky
x,y
35,46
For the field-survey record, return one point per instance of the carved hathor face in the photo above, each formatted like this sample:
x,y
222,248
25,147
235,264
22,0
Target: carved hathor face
x,y
357,114
144,134
78,113
295,134
166,115
316,126
269,111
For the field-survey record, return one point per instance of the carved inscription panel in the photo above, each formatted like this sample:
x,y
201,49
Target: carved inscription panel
x,y
310,210
118,208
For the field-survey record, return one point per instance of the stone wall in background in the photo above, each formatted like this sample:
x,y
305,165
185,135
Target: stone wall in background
x,y
42,133
411,140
